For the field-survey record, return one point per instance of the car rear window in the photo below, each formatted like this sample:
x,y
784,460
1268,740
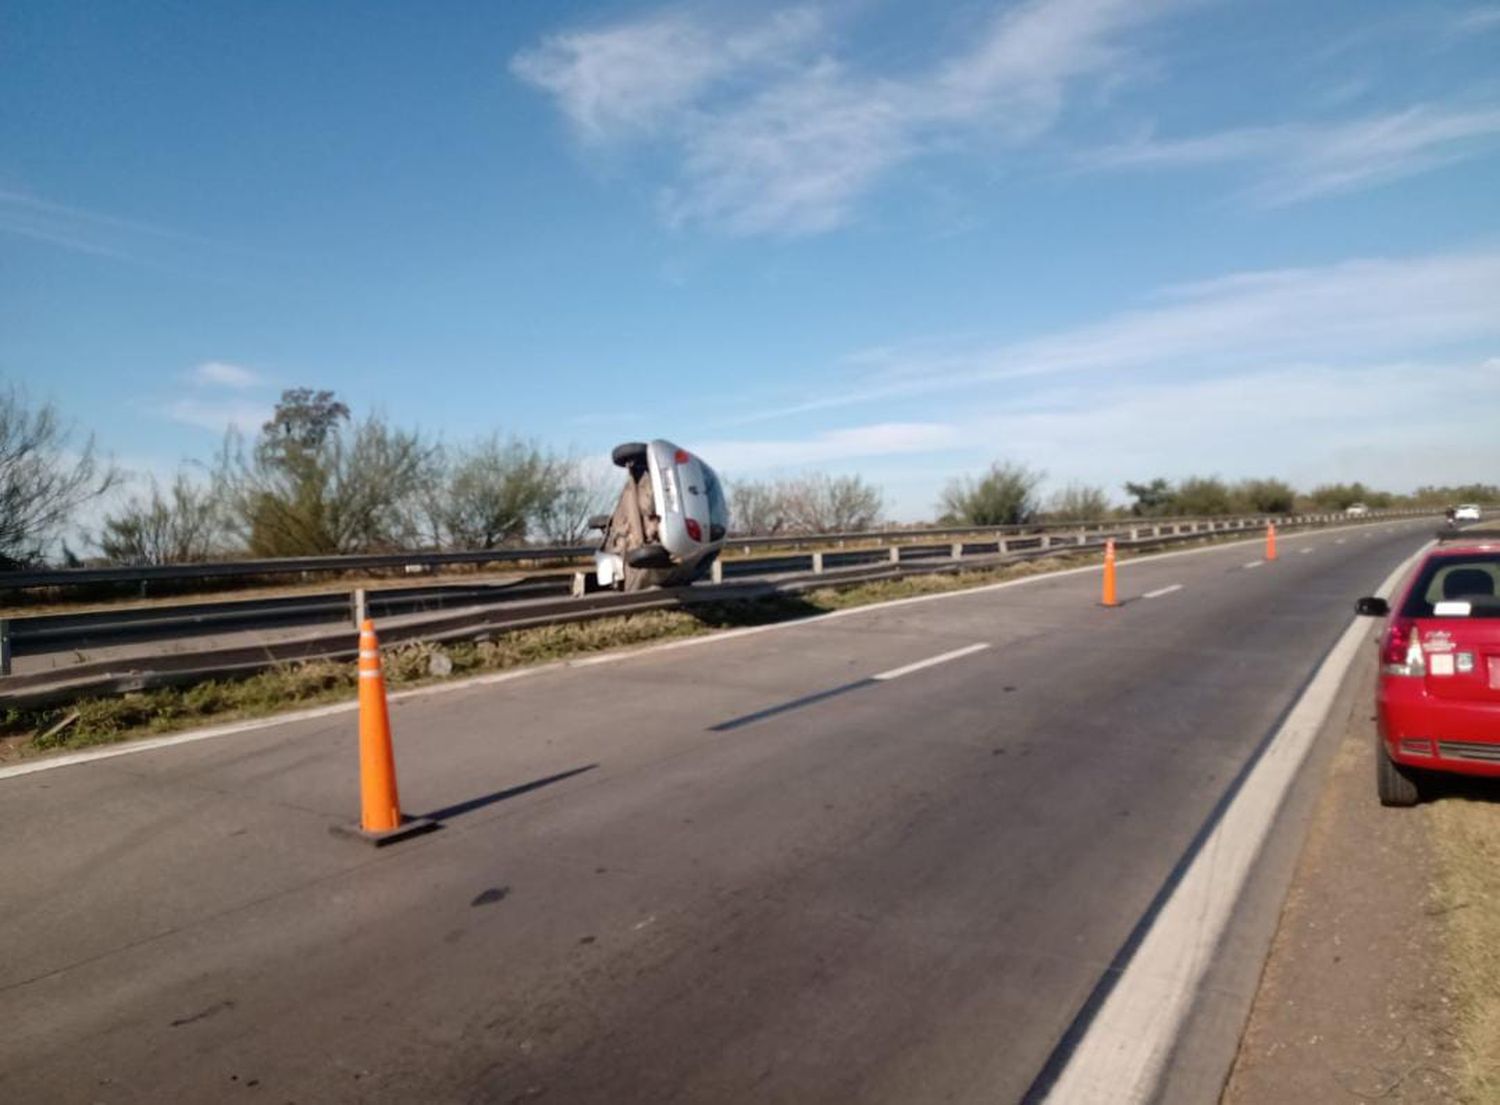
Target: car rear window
x,y
1466,586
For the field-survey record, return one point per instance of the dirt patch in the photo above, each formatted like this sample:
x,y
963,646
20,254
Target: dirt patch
x,y
1356,1002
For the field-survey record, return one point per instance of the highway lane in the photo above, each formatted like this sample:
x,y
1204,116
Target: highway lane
x,y
769,877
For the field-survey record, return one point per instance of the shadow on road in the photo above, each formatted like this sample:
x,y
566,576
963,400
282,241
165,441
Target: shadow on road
x,y
472,804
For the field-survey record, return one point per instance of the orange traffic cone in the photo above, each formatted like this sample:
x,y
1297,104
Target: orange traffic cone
x,y
1109,598
1270,540
380,820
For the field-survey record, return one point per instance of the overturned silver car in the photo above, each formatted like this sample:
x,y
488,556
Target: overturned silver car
x,y
668,524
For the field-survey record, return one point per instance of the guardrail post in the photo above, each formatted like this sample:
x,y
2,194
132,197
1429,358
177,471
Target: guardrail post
x,y
1002,546
716,572
580,585
357,602
1045,542
1135,533
957,551
817,562
1083,535
4,646
895,554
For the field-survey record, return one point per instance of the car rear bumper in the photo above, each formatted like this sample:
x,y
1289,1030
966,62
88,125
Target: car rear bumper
x,y
1436,733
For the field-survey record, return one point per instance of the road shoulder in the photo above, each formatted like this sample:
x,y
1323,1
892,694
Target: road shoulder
x,y
1354,1002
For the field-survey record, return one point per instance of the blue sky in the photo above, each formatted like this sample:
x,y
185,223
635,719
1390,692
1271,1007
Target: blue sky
x,y
1112,239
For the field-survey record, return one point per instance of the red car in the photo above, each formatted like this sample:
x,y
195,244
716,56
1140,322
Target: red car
x,y
1438,702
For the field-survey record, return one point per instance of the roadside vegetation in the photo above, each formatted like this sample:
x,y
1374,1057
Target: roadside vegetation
x,y
316,480
1466,838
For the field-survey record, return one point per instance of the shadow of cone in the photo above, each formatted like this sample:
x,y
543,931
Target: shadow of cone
x,y
1109,598
1270,540
380,820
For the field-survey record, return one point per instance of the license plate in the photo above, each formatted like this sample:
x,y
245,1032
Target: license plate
x,y
1494,663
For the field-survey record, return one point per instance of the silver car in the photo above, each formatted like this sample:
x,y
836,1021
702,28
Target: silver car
x,y
669,522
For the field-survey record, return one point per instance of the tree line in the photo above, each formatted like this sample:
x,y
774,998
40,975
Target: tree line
x,y
314,480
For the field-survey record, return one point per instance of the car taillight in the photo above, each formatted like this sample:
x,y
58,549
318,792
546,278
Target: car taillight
x,y
683,456
695,531
1401,651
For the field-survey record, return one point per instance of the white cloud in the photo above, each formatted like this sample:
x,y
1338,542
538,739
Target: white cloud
x,y
1395,424
633,77
1485,17
879,439
1349,313
222,374
243,415
1302,161
792,151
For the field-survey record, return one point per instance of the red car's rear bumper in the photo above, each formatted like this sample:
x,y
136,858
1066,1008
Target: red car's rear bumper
x,y
1462,737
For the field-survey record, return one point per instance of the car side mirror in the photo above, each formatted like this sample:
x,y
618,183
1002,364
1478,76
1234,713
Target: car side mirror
x,y
1371,607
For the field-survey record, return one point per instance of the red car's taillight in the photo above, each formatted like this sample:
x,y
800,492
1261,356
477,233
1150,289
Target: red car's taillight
x,y
1401,650
695,531
683,456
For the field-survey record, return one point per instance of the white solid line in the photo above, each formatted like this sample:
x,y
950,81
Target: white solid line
x,y
931,661
1120,1058
1255,564
150,744
1160,591
1306,551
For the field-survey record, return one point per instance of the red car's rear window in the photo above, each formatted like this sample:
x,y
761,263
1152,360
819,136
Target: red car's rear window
x,y
1472,578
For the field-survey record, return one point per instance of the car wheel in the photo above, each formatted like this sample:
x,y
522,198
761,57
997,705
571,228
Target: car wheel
x,y
648,556
630,454
1396,785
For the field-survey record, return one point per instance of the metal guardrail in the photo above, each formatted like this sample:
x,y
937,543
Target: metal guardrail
x,y
29,579
43,633
758,577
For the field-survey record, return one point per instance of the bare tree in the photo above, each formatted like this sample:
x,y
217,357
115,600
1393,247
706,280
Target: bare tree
x,y
497,488
42,482
1003,496
585,490
179,527
832,504
758,508
1078,503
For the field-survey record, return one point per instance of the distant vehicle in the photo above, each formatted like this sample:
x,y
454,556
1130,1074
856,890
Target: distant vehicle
x,y
669,523
1438,699
1468,512
1356,510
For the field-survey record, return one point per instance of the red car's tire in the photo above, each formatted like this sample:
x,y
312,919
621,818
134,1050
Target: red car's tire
x,y
1396,785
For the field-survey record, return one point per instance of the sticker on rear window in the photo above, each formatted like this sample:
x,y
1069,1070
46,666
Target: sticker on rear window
x,y
1441,664
1453,609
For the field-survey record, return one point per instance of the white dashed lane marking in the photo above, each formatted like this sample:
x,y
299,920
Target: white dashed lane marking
x,y
1160,591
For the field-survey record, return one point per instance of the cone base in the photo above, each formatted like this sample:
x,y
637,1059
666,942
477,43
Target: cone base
x,y
409,827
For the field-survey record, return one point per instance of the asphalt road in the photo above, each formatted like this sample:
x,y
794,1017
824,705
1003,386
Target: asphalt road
x,y
750,871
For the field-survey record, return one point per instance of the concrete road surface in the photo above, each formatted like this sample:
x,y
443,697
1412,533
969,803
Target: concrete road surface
x,y
746,870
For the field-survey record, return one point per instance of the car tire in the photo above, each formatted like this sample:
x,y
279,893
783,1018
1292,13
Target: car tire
x,y
629,454
648,556
1396,785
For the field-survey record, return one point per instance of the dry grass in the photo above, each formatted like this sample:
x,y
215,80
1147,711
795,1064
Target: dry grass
x,y
1466,837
